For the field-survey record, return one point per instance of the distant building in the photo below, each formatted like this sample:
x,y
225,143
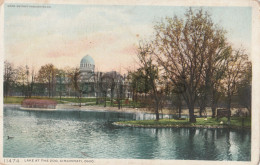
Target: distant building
x,y
87,65
87,76
96,84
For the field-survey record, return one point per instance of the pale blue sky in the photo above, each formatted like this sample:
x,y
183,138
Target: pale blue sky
x,y
67,24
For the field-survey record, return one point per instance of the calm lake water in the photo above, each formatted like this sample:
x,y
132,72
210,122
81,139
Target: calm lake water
x,y
90,134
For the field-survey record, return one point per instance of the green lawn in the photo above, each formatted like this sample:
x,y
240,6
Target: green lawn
x,y
235,121
13,100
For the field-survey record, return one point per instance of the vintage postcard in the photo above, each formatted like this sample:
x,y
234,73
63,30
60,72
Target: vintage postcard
x,y
120,82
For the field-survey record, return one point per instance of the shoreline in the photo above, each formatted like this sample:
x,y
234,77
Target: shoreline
x,y
84,108
102,108
37,109
60,107
185,112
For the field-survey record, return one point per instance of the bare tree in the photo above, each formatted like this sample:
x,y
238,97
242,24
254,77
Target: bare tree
x,y
151,72
30,76
105,84
176,97
76,83
236,66
21,79
119,89
244,88
47,75
9,77
97,79
182,48
60,78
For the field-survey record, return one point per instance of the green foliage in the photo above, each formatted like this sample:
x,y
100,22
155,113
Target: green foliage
x,y
140,81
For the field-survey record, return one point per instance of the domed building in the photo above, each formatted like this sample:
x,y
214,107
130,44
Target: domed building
x,y
87,74
100,84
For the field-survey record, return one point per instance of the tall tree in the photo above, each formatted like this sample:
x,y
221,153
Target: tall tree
x,y
213,72
31,82
176,96
47,75
60,78
21,79
216,73
236,66
244,88
76,83
151,72
182,47
139,83
9,77
105,85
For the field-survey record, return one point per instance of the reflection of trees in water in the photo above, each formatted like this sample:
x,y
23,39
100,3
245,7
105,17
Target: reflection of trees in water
x,y
211,144
191,144
209,148
220,133
185,148
75,115
228,151
241,139
90,130
149,149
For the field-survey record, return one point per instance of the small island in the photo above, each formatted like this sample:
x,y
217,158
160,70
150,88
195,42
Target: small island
x,y
235,122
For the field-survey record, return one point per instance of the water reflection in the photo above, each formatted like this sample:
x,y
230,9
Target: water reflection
x,y
81,134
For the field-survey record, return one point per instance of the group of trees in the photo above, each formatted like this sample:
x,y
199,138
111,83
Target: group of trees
x,y
18,79
50,81
189,60
24,81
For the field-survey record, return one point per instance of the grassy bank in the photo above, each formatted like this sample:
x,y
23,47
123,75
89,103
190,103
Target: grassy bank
x,y
18,100
13,100
201,122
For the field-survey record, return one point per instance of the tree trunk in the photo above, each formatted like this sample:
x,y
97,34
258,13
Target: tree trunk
x,y
214,101
97,98
213,109
105,100
133,98
157,109
111,98
180,111
49,89
203,103
80,99
191,113
118,101
229,108
201,110
156,101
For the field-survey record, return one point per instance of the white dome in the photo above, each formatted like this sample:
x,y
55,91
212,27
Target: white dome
x,y
87,64
87,59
